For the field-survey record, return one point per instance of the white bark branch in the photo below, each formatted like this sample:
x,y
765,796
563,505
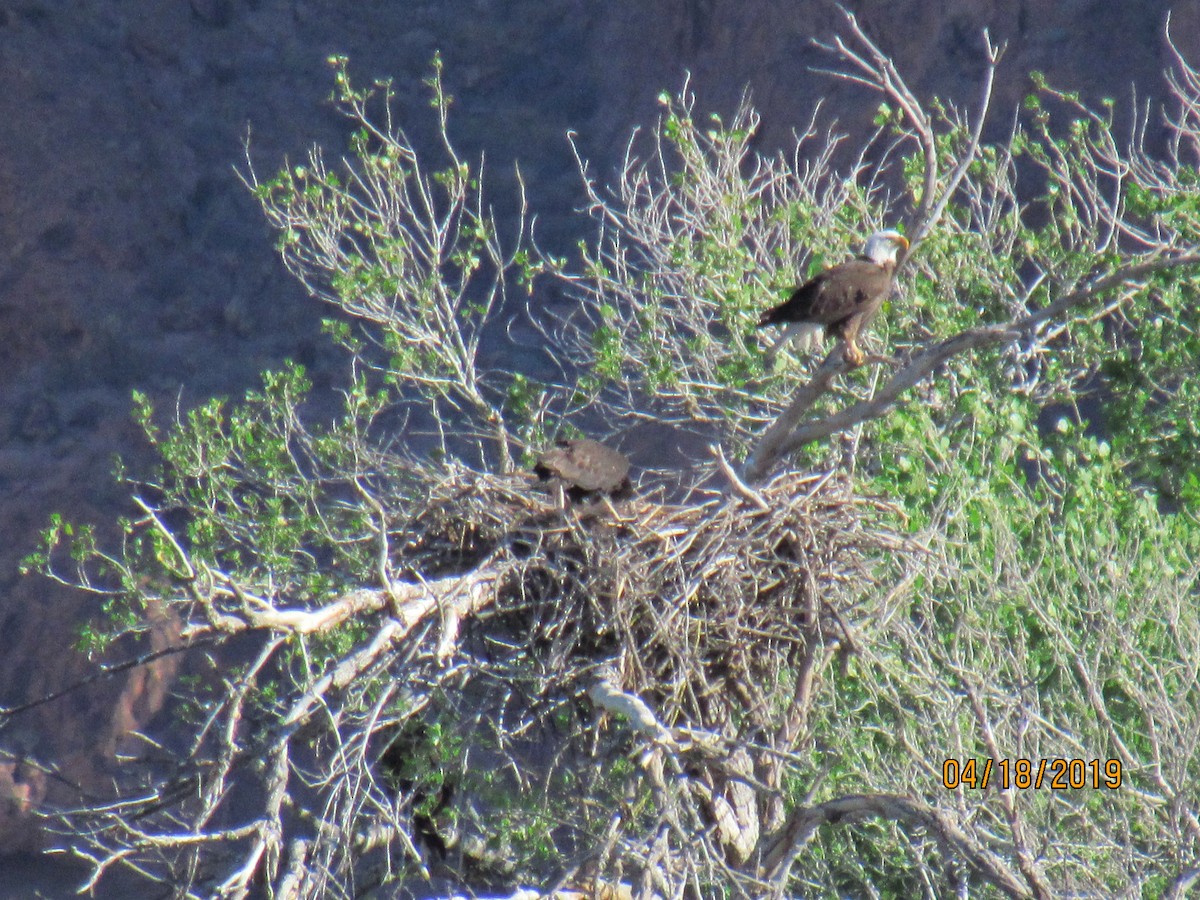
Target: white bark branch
x,y
411,603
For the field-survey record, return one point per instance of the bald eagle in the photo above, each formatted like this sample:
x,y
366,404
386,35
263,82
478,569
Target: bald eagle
x,y
841,301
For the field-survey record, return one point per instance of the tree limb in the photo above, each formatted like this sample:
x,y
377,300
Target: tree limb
x,y
803,824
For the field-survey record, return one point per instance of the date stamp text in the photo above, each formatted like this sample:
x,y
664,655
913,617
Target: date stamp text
x,y
1024,774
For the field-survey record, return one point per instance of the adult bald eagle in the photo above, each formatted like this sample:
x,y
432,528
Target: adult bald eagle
x,y
841,301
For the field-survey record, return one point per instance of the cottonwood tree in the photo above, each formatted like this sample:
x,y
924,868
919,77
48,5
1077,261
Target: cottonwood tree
x,y
428,676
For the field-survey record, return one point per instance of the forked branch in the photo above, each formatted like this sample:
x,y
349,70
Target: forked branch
x,y
803,824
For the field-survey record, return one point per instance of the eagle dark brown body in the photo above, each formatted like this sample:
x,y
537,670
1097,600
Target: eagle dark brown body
x,y
841,301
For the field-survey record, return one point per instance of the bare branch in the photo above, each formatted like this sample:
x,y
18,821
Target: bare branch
x,y
772,445
922,222
803,823
880,72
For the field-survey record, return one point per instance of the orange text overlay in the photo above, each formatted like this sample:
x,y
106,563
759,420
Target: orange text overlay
x,y
1023,774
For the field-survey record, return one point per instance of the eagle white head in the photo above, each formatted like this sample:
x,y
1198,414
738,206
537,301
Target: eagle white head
x,y
883,246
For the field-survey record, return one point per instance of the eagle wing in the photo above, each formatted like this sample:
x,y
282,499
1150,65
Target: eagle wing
x,y
851,289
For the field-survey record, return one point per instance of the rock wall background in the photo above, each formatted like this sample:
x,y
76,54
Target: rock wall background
x,y
132,257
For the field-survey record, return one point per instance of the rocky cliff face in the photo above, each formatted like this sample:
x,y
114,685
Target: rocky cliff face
x,y
131,256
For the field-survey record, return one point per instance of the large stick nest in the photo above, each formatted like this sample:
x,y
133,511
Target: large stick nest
x,y
699,604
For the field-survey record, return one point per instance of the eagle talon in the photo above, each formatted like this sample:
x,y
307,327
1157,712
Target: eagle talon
x,y
854,356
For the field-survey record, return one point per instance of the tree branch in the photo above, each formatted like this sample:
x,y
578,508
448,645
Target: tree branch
x,y
410,603
803,823
879,72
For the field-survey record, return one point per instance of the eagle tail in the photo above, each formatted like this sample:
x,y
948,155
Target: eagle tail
x,y
807,335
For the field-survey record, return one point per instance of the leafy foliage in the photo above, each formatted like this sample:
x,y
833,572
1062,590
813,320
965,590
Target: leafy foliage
x,y
441,679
